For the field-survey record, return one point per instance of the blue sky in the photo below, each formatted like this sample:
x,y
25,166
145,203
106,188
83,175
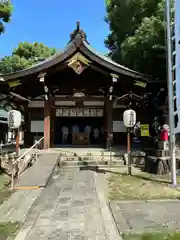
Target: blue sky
x,y
51,22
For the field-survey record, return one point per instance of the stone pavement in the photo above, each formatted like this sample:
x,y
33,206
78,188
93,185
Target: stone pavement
x,y
143,216
17,206
72,206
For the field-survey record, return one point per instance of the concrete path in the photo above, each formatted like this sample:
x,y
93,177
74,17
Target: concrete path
x,y
40,172
143,216
17,206
72,206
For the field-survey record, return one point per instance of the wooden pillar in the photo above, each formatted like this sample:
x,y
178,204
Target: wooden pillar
x,y
108,120
47,123
27,126
53,116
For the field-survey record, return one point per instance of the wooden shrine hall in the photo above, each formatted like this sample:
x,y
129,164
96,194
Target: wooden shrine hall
x,y
77,97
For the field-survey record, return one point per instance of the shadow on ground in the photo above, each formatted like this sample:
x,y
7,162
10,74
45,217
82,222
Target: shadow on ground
x,y
146,178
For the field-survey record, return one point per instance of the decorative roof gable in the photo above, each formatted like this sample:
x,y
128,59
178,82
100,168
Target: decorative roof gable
x,y
85,57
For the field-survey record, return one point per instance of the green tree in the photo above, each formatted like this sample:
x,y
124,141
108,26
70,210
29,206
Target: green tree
x,y
13,63
5,13
137,35
33,52
24,56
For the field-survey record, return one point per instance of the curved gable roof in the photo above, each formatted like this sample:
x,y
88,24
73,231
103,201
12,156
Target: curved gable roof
x,y
110,64
78,43
43,65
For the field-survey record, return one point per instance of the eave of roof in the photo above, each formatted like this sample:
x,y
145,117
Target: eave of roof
x,y
109,63
78,44
42,66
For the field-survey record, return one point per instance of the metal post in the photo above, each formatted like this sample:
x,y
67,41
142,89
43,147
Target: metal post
x,y
110,152
36,150
170,94
128,151
17,143
12,176
13,173
1,149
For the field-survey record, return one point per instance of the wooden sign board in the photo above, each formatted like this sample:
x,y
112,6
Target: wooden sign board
x,y
79,112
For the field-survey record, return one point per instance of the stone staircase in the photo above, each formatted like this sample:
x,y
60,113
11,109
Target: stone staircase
x,y
101,158
94,157
91,161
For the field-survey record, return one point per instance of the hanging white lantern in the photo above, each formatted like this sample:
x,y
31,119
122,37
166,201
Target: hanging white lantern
x,y
129,118
14,119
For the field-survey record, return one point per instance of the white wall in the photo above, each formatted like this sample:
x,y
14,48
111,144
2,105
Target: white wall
x,y
37,126
118,126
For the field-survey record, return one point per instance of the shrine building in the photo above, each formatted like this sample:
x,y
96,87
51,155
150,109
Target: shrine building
x,y
78,96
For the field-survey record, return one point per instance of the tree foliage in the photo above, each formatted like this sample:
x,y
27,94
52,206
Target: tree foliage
x,y
24,56
33,52
137,35
5,13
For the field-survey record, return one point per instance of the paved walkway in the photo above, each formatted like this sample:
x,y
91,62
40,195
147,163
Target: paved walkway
x,y
143,216
72,206
17,206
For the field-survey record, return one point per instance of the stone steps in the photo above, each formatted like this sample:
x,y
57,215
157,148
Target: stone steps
x,y
93,158
97,158
91,163
81,154
84,152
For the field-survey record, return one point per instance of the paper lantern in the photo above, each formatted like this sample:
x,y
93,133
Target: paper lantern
x,y
129,118
14,119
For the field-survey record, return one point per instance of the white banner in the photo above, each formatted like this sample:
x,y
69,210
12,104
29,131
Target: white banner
x,y
177,46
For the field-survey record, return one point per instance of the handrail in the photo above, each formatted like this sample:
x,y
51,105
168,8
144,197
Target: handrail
x,y
29,149
19,158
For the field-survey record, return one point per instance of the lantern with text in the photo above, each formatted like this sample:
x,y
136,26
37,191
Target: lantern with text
x,y
129,118
14,119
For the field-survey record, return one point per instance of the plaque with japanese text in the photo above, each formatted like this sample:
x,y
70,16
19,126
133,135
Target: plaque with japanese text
x,y
79,112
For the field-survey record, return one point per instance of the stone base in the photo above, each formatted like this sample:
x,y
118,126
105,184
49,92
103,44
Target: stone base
x,y
163,145
159,165
158,153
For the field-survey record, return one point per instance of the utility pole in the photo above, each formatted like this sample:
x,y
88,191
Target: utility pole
x,y
171,93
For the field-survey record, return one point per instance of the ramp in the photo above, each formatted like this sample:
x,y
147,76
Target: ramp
x,y
38,175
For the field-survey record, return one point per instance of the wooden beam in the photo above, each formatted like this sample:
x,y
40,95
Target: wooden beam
x,y
56,68
130,95
86,98
98,69
19,97
47,123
